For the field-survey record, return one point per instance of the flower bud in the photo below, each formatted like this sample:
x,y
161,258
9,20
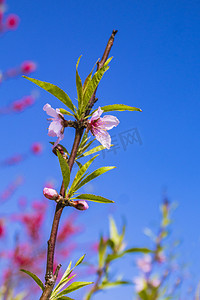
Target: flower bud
x,y
50,194
80,205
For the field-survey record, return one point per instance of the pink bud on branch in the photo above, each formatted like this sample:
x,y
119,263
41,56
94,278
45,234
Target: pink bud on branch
x,y
80,205
50,194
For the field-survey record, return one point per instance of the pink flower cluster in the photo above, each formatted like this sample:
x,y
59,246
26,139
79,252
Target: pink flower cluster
x,y
11,21
97,125
26,68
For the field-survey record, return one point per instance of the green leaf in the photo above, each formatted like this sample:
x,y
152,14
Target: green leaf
x,y
65,278
79,86
83,148
113,284
88,79
111,257
55,91
102,252
94,150
93,84
79,175
73,287
79,261
93,175
64,298
142,250
37,280
94,198
114,236
119,107
60,285
64,169
65,112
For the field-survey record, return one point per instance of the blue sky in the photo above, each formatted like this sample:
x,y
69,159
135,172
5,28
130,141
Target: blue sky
x,y
155,67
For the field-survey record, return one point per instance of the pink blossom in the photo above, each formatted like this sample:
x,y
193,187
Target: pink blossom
x,y
56,127
28,67
99,127
36,148
144,264
50,193
80,205
155,282
161,257
2,228
12,21
140,284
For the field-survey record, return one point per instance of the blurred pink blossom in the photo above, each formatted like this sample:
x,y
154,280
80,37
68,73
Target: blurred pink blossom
x,y
155,282
99,127
12,22
36,148
140,284
28,67
144,264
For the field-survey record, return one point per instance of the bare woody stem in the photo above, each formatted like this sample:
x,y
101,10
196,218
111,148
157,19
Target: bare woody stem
x,y
50,277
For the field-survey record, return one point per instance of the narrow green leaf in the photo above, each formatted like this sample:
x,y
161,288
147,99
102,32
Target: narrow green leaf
x,y
114,236
142,250
102,252
61,285
94,198
79,86
64,277
37,280
55,91
93,83
84,139
73,287
64,169
113,284
79,261
65,112
94,150
111,257
93,175
119,107
64,298
79,175
79,164
88,79
83,148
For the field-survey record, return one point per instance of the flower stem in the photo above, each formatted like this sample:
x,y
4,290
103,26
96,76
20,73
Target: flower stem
x,y
50,277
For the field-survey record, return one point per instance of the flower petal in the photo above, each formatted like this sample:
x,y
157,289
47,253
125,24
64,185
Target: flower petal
x,y
108,122
103,137
50,111
96,115
55,128
61,137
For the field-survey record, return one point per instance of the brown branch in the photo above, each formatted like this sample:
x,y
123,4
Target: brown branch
x,y
50,278
100,65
